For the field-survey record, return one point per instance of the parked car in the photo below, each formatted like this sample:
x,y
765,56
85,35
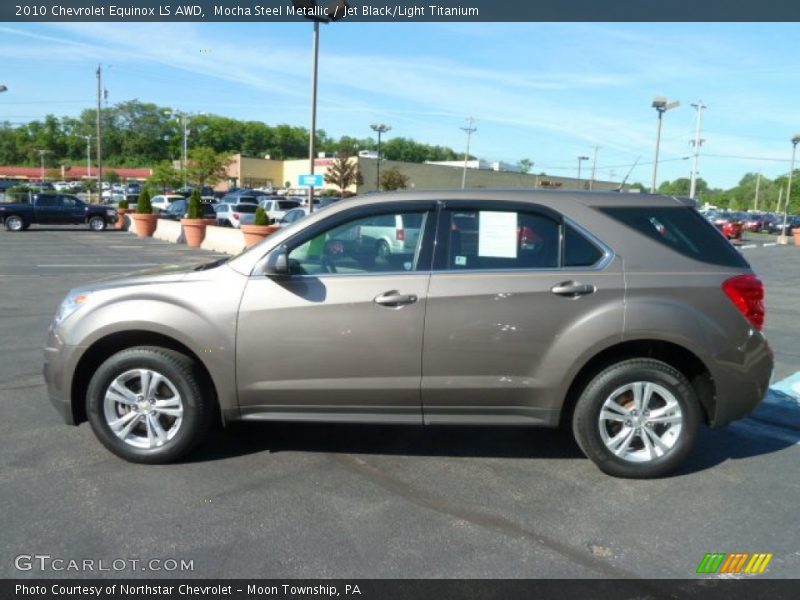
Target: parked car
x,y
162,201
392,234
754,223
293,216
277,207
776,227
179,209
235,215
55,209
628,318
244,199
133,187
60,186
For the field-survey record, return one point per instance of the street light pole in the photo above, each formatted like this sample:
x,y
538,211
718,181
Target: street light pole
x,y
41,164
379,128
99,134
580,160
783,239
3,88
335,11
88,139
662,105
698,141
469,130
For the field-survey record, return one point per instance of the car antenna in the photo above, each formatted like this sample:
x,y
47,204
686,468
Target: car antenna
x,y
622,185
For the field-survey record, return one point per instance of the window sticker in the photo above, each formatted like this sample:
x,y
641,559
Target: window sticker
x,y
497,234
461,261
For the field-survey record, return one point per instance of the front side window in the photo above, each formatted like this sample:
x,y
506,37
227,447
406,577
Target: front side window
x,y
386,243
492,240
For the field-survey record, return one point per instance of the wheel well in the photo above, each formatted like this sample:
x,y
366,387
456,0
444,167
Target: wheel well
x,y
116,342
674,355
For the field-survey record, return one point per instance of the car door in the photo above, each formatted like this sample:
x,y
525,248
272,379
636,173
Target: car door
x,y
47,209
340,337
73,210
506,308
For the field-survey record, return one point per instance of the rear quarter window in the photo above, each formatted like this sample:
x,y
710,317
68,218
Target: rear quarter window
x,y
680,228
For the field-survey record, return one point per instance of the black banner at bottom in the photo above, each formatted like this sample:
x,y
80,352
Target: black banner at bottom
x,y
399,589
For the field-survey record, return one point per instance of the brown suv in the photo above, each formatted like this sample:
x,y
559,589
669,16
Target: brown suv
x,y
627,316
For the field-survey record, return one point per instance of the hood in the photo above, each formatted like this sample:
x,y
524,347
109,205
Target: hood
x,y
151,276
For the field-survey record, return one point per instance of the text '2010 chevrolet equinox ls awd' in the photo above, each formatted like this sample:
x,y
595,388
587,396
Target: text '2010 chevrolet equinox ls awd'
x,y
627,316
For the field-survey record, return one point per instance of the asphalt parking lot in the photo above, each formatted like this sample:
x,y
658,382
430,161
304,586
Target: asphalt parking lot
x,y
281,500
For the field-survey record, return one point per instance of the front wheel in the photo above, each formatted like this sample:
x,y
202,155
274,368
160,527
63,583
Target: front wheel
x,y
638,418
146,405
97,223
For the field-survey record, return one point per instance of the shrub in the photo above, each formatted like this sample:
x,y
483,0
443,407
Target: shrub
x,y
195,209
261,216
124,204
143,206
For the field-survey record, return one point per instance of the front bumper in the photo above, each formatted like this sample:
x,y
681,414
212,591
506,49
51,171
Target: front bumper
x,y
57,371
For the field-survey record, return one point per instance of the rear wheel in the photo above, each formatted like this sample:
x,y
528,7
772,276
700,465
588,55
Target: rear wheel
x,y
146,405
638,419
14,223
97,223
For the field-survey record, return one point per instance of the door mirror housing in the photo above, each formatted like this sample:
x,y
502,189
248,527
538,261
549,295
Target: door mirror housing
x,y
277,264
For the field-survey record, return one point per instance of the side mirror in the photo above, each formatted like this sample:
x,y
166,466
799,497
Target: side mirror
x,y
277,264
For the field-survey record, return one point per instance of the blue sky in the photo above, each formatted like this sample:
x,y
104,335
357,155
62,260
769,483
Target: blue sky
x,y
547,92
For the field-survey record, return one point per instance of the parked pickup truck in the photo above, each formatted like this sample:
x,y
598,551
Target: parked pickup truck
x,y
55,209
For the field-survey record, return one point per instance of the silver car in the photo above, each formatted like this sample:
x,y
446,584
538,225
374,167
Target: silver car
x,y
628,318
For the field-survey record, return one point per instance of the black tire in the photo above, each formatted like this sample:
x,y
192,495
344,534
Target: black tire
x,y
186,378
384,250
96,223
587,426
14,223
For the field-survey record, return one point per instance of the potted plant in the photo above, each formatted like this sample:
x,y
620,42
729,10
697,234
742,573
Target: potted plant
x,y
194,226
122,209
259,230
146,221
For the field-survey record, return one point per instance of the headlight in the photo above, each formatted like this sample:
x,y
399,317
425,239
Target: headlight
x,y
70,304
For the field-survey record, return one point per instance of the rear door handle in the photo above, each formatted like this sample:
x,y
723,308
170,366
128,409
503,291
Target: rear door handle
x,y
573,289
393,299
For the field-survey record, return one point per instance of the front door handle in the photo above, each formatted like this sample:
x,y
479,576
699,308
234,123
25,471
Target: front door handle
x,y
573,289
394,299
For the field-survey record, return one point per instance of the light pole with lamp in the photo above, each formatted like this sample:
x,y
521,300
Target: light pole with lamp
x,y
783,238
41,164
380,129
580,160
308,9
662,105
3,88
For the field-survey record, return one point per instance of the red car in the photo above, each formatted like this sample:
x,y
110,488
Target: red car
x,y
732,229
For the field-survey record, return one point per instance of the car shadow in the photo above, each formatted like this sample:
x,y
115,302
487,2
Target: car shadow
x,y
714,446
70,228
240,439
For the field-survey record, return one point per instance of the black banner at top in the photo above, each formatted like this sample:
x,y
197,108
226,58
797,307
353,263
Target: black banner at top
x,y
403,11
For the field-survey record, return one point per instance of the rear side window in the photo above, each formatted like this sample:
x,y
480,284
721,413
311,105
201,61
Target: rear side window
x,y
578,251
682,229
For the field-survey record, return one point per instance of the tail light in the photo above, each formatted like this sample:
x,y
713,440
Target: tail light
x,y
747,294
401,235
236,216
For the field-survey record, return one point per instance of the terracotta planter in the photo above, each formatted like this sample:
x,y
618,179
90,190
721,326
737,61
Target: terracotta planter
x,y
145,224
255,233
796,234
210,221
121,212
195,231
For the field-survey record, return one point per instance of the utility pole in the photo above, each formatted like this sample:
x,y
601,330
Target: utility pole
x,y
662,105
379,128
758,184
594,167
697,142
469,129
312,138
99,133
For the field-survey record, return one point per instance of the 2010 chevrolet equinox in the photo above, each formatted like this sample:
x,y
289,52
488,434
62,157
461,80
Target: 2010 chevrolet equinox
x,y
627,316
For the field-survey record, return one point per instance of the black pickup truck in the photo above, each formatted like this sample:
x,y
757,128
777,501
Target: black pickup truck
x,y
55,209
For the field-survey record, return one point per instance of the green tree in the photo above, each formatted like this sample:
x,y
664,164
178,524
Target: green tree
x,y
344,173
164,175
207,167
111,176
393,179
525,165
195,209
144,206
